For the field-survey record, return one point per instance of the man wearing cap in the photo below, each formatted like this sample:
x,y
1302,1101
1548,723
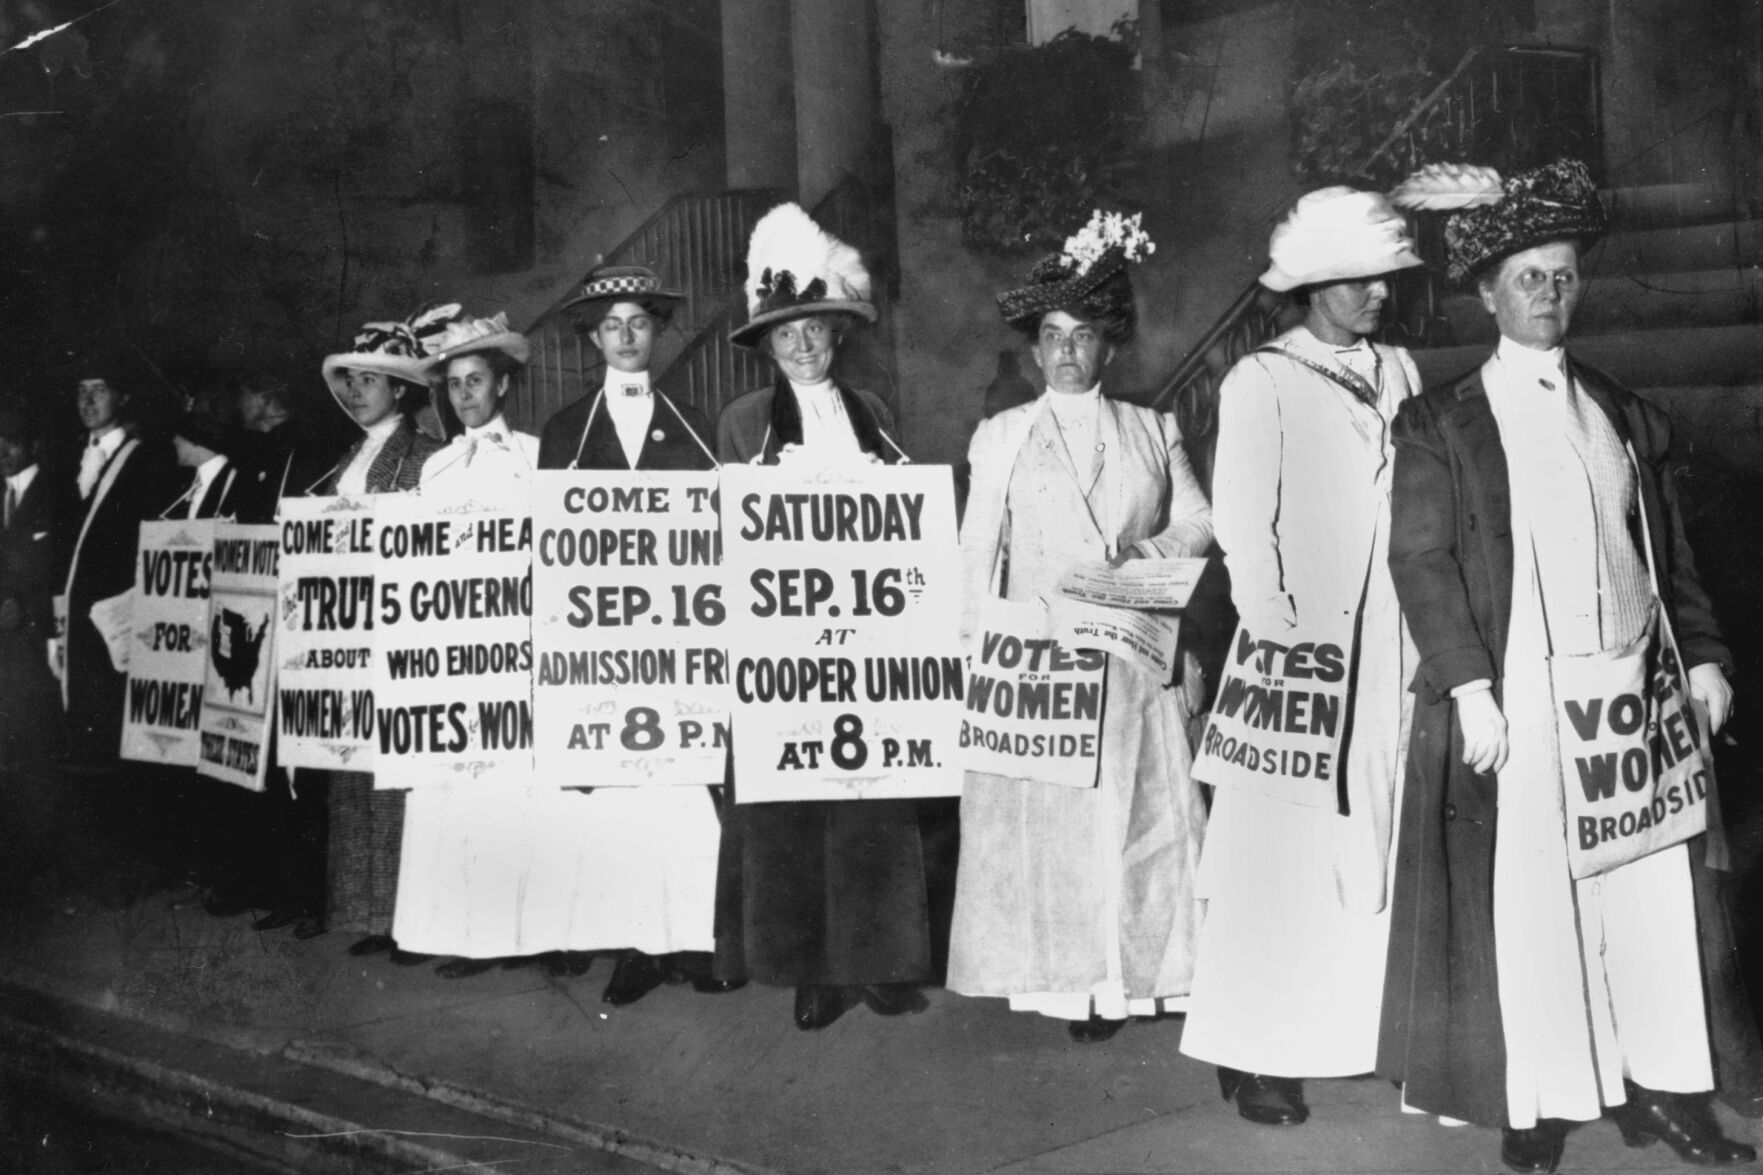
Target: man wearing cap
x,y
1291,958
33,513
646,879
1530,500
123,479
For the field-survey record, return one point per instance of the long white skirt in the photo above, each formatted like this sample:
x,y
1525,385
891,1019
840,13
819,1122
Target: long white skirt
x,y
1288,982
488,875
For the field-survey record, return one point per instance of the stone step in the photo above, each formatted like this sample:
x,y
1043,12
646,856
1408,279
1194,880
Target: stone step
x,y
1720,356
1668,205
1621,302
1722,245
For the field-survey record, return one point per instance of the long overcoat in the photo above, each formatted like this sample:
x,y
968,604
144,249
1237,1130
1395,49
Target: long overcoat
x,y
1451,557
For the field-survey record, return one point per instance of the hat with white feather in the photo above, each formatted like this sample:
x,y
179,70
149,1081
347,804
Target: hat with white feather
x,y
1337,234
397,349
1493,218
796,269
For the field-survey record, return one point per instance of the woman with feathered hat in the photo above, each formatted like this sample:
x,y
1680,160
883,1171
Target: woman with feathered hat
x,y
1534,518
1291,959
380,384
1079,904
466,855
826,897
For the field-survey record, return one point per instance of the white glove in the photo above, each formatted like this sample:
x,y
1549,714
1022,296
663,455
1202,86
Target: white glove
x,y
1484,731
1709,688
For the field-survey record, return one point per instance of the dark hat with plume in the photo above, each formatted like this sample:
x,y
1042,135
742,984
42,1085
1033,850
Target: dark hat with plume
x,y
1087,279
796,269
1494,218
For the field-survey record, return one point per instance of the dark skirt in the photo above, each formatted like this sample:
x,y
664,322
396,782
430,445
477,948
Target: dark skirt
x,y
365,837
822,893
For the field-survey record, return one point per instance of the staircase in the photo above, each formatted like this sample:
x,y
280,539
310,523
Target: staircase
x,y
1673,309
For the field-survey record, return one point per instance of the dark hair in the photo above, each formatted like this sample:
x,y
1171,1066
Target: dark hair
x,y
500,363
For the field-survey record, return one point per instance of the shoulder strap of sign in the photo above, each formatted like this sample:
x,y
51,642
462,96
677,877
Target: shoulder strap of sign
x,y
1355,385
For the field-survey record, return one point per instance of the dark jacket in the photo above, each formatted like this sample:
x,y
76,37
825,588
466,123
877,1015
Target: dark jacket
x,y
103,533
1451,558
396,467
764,421
670,444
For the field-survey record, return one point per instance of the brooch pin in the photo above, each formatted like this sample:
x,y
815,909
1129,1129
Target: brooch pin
x,y
658,435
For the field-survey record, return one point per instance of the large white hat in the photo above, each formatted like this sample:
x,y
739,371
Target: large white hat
x,y
795,269
469,336
1337,234
397,349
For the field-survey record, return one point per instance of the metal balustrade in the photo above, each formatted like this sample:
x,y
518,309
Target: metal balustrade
x,y
1507,107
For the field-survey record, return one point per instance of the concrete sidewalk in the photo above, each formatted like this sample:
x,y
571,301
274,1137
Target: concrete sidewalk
x,y
725,1083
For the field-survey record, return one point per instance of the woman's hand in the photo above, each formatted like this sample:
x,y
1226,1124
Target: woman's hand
x,y
1126,555
1709,687
1485,746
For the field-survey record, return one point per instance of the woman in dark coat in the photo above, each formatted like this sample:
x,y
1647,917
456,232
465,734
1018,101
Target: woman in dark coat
x,y
1517,995
827,897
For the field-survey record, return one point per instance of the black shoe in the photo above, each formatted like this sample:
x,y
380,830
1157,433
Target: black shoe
x,y
710,985
892,999
276,919
568,964
399,957
1535,1150
309,926
687,966
635,976
818,1005
465,968
373,944
1264,1100
1682,1122
516,962
1095,1030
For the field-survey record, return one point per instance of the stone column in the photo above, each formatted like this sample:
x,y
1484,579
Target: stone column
x,y
837,102
759,94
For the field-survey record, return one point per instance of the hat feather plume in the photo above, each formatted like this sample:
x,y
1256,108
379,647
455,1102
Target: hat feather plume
x,y
1446,186
786,240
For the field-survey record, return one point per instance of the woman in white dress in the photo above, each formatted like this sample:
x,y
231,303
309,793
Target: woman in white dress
x,y
1079,903
1291,963
468,853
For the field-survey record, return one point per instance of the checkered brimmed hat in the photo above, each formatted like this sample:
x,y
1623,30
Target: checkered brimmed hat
x,y
625,283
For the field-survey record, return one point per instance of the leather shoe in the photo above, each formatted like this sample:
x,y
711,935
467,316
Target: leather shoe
x,y
373,944
276,919
465,968
1682,1122
710,985
818,1005
516,962
1535,1150
635,976
568,964
892,999
1264,1100
1095,1030
309,926
399,957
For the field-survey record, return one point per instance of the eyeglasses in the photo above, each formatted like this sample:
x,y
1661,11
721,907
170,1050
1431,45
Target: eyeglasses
x,y
1532,280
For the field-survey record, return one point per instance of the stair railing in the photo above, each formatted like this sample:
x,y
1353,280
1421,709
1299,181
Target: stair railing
x,y
1502,105
696,243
